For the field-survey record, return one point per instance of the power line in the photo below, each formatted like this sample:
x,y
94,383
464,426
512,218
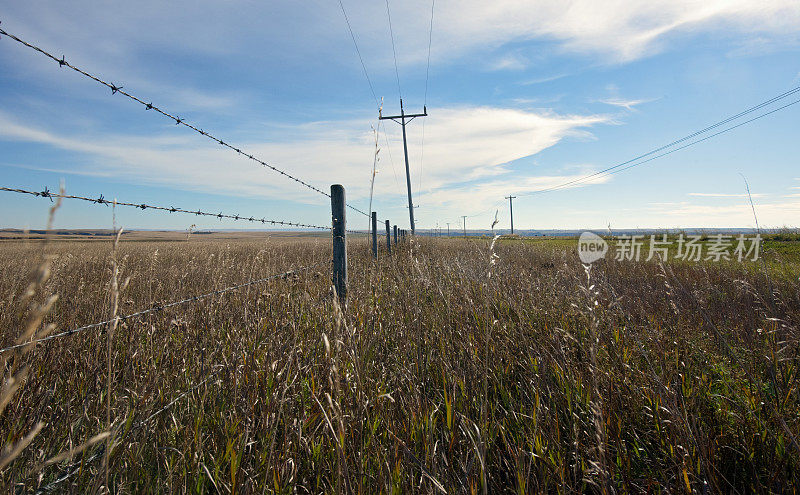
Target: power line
x,y
389,150
633,162
142,206
430,38
363,66
425,104
371,88
159,308
178,120
636,160
394,50
696,141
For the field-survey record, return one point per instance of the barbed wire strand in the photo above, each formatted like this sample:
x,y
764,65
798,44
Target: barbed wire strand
x,y
158,308
62,62
142,206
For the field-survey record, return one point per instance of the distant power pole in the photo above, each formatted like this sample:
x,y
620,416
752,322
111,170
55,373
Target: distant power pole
x,y
404,119
448,229
511,208
465,225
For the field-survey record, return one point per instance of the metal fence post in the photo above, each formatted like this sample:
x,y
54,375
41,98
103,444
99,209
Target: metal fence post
x,y
395,235
375,235
388,238
339,224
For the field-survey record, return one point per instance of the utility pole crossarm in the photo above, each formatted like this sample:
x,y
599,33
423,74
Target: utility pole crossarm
x,y
406,116
403,114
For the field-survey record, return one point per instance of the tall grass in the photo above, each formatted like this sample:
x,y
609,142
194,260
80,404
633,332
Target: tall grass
x,y
445,372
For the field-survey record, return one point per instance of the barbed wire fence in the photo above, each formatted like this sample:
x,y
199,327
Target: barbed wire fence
x,y
338,264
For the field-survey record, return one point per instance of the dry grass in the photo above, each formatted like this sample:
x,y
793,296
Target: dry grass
x,y
445,372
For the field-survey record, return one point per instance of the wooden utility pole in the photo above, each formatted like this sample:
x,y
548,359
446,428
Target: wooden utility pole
x,y
511,209
448,229
465,225
404,119
339,224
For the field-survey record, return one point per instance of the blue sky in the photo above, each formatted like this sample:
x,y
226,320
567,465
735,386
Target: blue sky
x,y
522,95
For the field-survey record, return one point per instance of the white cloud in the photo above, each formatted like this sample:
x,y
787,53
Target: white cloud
x,y
615,30
740,214
627,104
726,195
482,197
461,144
544,79
622,30
509,62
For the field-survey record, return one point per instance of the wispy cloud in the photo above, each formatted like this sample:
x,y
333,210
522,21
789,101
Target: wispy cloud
x,y
737,214
616,30
622,30
509,62
482,197
542,80
624,103
464,143
726,195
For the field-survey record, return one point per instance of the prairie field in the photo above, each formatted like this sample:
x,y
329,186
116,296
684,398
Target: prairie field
x,y
456,365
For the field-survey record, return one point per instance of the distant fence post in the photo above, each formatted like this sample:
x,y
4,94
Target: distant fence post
x,y
339,224
374,234
395,235
388,238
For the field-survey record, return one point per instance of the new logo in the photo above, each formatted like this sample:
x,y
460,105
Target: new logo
x,y
591,247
